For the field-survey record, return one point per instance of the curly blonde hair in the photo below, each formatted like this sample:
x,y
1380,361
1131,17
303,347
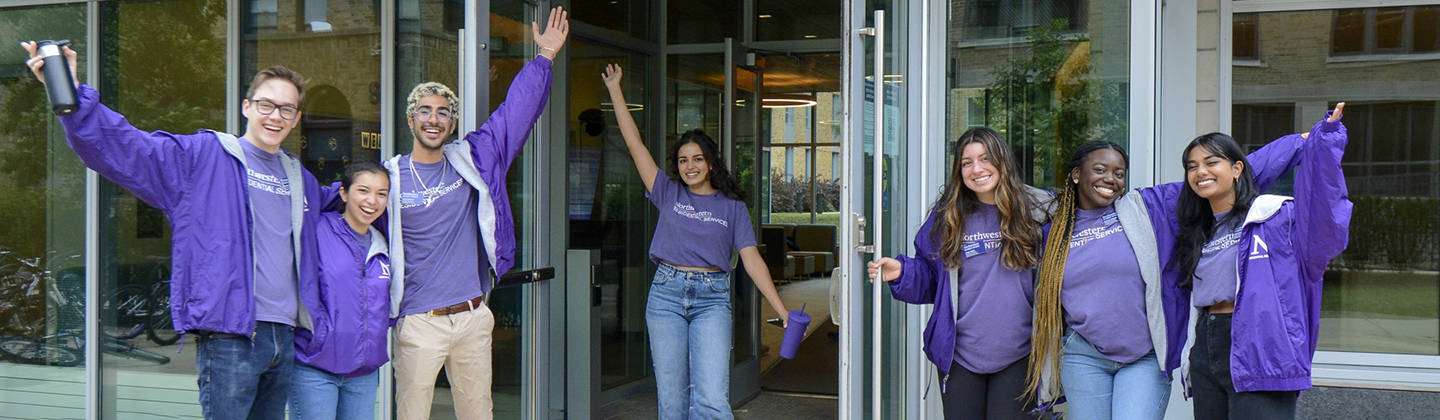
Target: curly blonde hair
x,y
433,88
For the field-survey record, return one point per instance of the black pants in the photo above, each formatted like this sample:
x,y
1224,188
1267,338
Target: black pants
x,y
995,396
1211,384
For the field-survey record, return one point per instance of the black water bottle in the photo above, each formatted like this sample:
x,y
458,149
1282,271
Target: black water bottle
x,y
58,82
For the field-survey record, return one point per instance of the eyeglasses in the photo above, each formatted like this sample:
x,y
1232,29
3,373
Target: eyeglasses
x,y
440,115
265,107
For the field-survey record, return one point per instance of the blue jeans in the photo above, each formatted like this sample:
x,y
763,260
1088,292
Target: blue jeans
x,y
690,322
317,394
1099,388
242,378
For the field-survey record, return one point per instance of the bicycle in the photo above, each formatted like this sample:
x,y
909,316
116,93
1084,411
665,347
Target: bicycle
x,y
66,347
138,310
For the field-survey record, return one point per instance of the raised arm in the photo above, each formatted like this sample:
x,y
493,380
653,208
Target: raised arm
x,y
1322,205
503,135
154,166
644,162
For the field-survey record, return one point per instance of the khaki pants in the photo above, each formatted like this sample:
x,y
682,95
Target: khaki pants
x,y
459,342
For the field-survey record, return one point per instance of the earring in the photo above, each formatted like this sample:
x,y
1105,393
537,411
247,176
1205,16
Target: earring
x,y
1075,180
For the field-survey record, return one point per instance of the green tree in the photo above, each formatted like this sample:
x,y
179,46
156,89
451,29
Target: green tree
x,y
1048,103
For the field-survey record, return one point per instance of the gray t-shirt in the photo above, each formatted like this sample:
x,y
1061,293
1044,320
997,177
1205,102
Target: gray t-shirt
x,y
697,230
276,293
1216,275
996,304
444,261
1103,293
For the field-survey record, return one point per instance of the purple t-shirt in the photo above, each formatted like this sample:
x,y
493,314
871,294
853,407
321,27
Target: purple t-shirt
x,y
443,256
996,305
697,230
1216,274
1103,293
276,290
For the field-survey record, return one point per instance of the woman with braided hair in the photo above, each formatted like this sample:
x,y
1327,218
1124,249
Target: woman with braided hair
x,y
1096,291
975,261
1091,297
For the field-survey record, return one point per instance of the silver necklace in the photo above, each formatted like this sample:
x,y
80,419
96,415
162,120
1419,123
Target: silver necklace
x,y
429,197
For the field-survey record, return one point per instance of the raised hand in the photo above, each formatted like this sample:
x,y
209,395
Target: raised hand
x,y
36,61
1334,116
612,75
555,33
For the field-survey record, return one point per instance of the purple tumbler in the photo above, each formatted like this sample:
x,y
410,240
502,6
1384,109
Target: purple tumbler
x,y
794,332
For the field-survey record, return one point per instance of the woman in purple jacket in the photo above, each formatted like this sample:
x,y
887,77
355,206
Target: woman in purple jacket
x,y
975,261
336,369
1253,264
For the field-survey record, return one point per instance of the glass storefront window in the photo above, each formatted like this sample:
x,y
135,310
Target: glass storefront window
x,y
701,22
1382,295
1048,75
624,17
784,20
42,241
135,237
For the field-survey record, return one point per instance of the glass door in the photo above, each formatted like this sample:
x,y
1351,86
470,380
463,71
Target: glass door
x,y
874,340
740,133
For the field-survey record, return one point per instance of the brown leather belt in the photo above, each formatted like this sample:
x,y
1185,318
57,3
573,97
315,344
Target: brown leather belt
x,y
465,306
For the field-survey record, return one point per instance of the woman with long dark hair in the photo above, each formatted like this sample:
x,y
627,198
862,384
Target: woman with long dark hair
x,y
975,261
703,221
1253,265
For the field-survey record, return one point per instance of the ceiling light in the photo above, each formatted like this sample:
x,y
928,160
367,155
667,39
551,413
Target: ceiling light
x,y
788,100
764,16
810,37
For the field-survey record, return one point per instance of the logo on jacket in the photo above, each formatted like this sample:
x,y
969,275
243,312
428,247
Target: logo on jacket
x,y
1258,248
384,270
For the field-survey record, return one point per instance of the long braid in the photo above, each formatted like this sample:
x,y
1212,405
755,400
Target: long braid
x,y
1045,343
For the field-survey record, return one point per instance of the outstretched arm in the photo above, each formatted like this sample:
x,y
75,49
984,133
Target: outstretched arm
x,y
1322,205
155,166
643,161
502,136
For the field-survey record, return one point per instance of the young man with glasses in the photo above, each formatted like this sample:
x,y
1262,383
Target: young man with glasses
x,y
451,228
243,213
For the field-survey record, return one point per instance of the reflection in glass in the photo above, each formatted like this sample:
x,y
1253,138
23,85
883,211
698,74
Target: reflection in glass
x,y
1382,295
624,17
784,20
42,239
608,208
1058,78
700,22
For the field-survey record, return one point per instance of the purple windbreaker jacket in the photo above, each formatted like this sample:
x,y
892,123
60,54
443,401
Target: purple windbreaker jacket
x,y
483,157
1286,245
199,181
354,287
924,280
